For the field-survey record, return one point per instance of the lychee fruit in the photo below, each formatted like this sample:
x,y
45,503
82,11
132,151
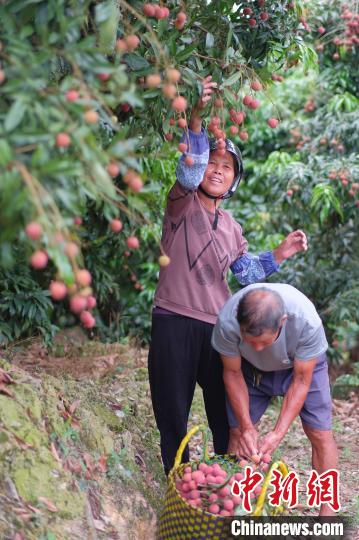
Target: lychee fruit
x,y
58,290
83,278
33,230
39,259
116,225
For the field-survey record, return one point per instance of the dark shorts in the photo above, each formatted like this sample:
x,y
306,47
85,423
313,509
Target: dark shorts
x,y
316,412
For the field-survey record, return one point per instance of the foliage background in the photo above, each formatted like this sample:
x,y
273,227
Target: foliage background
x,y
51,47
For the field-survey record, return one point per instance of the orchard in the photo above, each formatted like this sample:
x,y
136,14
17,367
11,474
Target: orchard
x,y
95,106
89,133
91,127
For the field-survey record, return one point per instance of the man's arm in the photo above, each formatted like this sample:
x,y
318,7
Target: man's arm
x,y
237,393
292,404
251,269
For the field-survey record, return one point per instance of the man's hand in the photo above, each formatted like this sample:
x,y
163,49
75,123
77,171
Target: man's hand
x,y
269,443
243,443
249,441
295,242
208,87
234,446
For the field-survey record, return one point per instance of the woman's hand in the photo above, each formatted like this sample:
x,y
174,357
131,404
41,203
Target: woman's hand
x,y
208,87
295,242
195,123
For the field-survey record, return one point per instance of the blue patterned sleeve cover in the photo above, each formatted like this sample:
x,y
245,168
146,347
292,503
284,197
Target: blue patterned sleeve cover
x,y
251,268
191,176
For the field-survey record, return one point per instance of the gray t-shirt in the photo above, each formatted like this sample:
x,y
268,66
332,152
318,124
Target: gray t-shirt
x,y
302,336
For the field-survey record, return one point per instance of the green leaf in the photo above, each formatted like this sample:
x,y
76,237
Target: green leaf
x,y
26,31
186,53
230,97
232,79
121,148
6,154
131,98
62,263
15,115
107,16
209,41
136,62
19,5
324,199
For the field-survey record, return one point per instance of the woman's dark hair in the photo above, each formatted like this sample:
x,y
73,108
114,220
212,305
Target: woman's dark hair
x,y
260,310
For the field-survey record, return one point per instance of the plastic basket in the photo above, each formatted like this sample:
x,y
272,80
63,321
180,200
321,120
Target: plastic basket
x,y
180,521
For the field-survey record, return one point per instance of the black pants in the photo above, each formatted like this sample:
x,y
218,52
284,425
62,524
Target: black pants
x,y
181,355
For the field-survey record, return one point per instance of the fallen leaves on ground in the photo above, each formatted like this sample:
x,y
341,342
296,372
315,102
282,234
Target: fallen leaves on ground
x,y
5,377
68,411
5,390
49,504
23,444
5,380
55,453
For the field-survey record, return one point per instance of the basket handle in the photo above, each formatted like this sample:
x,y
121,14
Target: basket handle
x,y
260,501
185,440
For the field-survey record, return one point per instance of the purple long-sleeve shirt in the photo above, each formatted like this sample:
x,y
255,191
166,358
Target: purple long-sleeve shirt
x,y
194,284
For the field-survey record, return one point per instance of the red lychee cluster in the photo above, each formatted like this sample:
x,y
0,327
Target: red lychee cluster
x,y
237,118
210,487
133,180
217,121
161,12
156,11
249,15
178,103
214,127
81,299
125,45
351,34
277,78
298,139
337,145
251,102
39,258
344,177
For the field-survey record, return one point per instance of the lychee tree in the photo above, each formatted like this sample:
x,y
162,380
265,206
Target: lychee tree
x,y
306,174
89,92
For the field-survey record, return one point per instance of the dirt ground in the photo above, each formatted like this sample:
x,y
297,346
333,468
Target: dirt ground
x,y
120,371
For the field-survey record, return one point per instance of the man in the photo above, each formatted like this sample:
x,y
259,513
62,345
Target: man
x,y
272,342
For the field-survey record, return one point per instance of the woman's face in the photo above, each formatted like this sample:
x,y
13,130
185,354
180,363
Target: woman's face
x,y
219,174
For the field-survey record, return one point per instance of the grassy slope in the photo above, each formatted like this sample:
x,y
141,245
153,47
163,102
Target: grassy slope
x,y
78,458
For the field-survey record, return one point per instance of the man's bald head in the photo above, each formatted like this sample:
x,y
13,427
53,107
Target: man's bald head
x,y
260,310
